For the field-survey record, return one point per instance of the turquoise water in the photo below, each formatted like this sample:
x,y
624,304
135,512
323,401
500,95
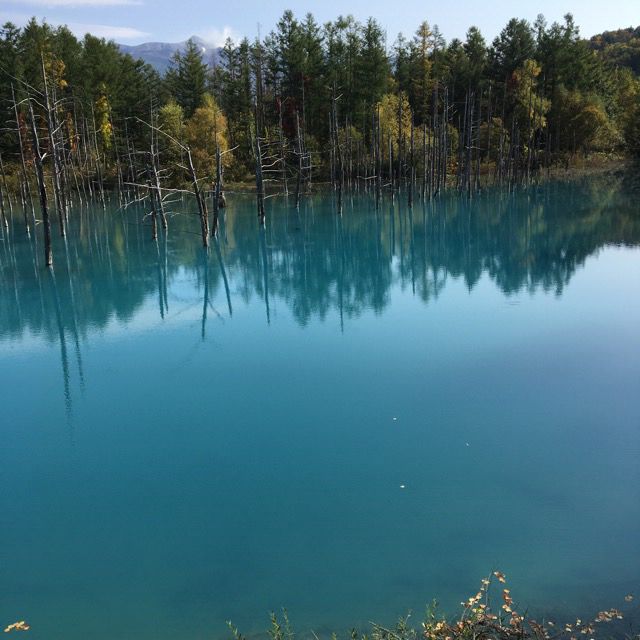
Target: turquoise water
x,y
347,416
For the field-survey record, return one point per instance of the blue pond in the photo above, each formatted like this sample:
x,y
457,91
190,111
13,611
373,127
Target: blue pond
x,y
345,416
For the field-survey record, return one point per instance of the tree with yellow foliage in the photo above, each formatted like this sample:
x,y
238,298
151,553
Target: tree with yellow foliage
x,y
205,130
101,114
389,110
530,107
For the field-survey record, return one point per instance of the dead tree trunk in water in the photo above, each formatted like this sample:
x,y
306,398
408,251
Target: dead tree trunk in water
x,y
283,165
467,167
259,182
390,146
97,160
488,149
55,161
399,170
424,161
23,203
217,192
63,171
412,173
4,183
445,135
86,161
115,148
4,215
340,165
5,222
527,169
378,152
202,207
156,181
332,170
477,145
72,164
48,255
152,200
131,190
437,139
24,164
300,164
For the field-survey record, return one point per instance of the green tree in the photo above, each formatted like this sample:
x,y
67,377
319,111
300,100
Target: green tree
x,y
372,70
11,65
402,64
582,122
422,82
511,48
187,78
475,50
314,69
290,51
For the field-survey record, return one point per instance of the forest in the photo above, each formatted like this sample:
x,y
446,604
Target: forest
x,y
308,103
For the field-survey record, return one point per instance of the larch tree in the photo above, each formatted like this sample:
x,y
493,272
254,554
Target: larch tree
x,y
422,81
204,131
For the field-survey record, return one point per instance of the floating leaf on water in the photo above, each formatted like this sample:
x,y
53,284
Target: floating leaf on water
x,y
21,626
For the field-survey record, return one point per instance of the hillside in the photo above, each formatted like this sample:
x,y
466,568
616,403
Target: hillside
x,y
620,47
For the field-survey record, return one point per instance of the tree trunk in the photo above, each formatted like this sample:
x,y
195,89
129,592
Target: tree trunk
x,y
202,207
48,255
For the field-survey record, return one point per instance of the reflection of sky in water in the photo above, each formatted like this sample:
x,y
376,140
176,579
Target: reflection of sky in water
x,y
169,465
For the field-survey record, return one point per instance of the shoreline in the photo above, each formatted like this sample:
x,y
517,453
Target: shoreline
x,y
577,168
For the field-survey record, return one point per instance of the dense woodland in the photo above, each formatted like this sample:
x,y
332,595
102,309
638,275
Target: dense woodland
x,y
620,48
308,103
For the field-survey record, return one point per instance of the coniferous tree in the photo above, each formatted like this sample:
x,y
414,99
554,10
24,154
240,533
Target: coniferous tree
x,y
511,48
373,69
187,78
314,80
475,49
422,81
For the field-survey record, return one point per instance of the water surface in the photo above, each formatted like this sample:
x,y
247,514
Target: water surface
x,y
190,437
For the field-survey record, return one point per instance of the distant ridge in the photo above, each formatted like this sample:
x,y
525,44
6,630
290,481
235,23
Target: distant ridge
x,y
158,54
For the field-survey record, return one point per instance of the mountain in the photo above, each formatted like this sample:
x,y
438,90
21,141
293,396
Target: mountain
x,y
158,54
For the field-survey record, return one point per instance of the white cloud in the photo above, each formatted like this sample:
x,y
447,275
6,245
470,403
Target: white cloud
x,y
217,37
106,31
76,3
79,29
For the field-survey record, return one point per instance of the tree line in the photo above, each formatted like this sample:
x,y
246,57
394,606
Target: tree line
x,y
306,103
531,76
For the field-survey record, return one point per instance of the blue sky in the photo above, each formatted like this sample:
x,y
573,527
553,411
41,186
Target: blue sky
x,y
136,21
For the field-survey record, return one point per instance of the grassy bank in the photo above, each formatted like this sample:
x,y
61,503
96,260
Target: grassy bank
x,y
492,613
